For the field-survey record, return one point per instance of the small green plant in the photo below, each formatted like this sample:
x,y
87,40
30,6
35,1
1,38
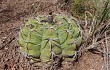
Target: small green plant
x,y
44,41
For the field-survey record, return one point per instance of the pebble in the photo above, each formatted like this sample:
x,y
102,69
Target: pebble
x,y
92,69
1,42
4,37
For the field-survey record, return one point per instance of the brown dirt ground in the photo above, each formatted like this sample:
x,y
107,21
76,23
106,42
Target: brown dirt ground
x,y
11,14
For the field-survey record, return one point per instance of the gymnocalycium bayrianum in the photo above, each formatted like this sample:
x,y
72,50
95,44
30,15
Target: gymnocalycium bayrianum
x,y
40,39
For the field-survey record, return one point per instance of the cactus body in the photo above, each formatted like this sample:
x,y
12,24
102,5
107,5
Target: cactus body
x,y
43,40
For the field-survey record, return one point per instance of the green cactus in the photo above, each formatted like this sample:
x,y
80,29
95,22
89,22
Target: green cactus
x,y
43,40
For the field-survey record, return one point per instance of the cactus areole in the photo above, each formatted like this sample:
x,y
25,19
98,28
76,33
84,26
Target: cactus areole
x,y
42,40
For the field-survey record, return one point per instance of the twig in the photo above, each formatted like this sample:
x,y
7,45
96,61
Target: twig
x,y
94,44
106,45
105,28
104,56
37,7
7,43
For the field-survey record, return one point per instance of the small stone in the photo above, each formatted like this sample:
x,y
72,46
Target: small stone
x,y
4,37
0,32
92,69
6,48
1,42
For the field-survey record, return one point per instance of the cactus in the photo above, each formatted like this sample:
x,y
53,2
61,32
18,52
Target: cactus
x,y
42,40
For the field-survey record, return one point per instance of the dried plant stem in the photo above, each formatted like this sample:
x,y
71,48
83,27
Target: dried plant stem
x,y
104,49
96,43
107,55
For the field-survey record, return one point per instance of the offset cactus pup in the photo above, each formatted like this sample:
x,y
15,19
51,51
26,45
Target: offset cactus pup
x,y
44,41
